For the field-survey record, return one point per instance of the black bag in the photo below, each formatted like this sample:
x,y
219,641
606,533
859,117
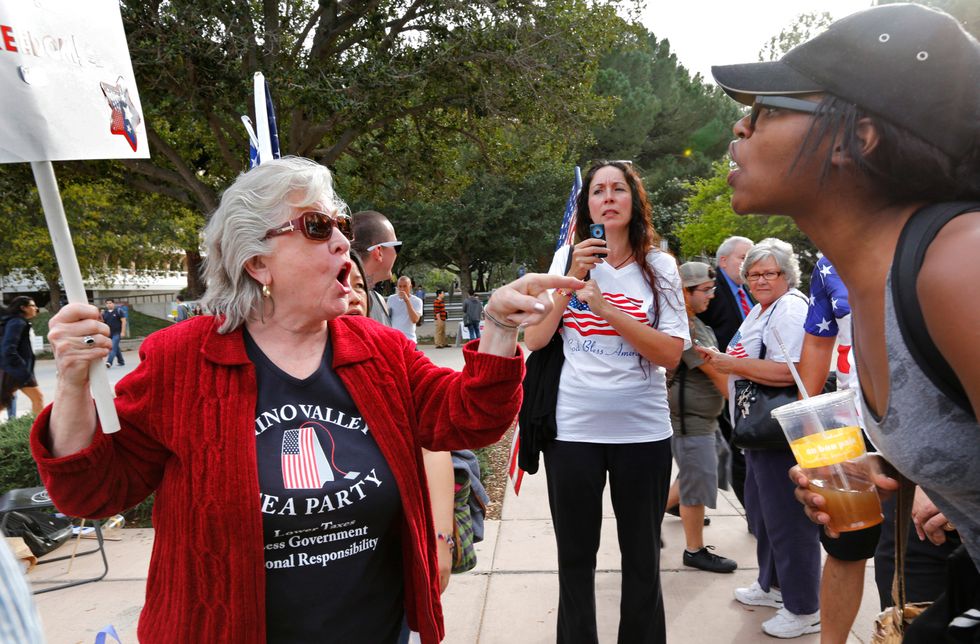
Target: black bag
x,y
41,531
755,428
536,418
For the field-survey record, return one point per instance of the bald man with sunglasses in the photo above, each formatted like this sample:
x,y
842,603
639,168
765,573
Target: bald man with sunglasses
x,y
377,247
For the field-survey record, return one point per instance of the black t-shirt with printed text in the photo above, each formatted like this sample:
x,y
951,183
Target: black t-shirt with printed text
x,y
331,512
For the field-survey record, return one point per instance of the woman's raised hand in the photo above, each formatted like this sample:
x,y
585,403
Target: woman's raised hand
x,y
78,337
584,256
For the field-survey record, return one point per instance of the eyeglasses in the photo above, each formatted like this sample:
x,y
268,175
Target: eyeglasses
x,y
316,226
781,102
710,289
769,275
397,245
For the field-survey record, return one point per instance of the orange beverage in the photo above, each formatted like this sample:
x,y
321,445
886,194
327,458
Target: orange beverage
x,y
850,509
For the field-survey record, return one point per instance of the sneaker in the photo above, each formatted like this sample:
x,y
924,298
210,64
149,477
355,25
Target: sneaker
x,y
786,624
108,365
709,561
755,596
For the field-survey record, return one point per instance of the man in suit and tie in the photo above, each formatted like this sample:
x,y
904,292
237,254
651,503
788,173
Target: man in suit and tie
x,y
724,315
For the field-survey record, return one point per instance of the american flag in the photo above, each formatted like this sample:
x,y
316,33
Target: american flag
x,y
578,316
735,347
304,465
565,236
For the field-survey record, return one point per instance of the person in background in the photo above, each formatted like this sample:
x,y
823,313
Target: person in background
x,y
612,414
725,313
696,399
17,356
359,300
419,292
183,312
305,448
853,153
375,243
440,315
19,621
472,314
115,319
405,309
787,545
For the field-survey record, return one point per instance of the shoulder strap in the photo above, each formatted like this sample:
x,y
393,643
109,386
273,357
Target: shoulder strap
x,y
762,340
913,243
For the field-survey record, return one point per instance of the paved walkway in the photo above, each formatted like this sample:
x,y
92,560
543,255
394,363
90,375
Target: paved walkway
x,y
511,597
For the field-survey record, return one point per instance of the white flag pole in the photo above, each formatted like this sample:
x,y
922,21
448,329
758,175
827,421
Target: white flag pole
x,y
54,213
262,118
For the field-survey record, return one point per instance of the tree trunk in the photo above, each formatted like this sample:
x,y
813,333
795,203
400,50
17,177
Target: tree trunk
x,y
54,291
195,280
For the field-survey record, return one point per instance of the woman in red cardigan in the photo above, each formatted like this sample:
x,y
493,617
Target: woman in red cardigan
x,y
290,505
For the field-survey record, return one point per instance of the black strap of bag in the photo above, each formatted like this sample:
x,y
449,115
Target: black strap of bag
x,y
918,233
537,414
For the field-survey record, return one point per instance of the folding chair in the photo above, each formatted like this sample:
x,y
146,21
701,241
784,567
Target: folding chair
x,y
35,498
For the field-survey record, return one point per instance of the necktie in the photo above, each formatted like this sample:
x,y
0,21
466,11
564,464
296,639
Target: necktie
x,y
743,302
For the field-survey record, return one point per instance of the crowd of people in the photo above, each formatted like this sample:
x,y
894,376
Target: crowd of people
x,y
303,433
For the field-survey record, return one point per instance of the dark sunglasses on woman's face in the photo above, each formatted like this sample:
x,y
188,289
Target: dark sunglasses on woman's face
x,y
317,226
781,103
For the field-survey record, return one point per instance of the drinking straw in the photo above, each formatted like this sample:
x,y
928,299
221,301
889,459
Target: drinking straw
x,y
838,470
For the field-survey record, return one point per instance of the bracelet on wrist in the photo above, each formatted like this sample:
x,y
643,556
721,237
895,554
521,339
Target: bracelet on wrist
x,y
502,325
447,539
565,292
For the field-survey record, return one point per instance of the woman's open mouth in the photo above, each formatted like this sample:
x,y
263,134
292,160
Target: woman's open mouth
x,y
344,278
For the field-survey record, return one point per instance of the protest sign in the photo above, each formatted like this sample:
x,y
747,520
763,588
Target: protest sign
x,y
67,92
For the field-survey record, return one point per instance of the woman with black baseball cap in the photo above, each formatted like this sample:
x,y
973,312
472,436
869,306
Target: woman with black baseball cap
x,y
856,133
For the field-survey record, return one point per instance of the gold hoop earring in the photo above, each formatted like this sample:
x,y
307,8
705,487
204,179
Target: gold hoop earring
x,y
265,291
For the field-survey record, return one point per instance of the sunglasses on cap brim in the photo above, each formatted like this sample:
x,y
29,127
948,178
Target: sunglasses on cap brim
x,y
316,226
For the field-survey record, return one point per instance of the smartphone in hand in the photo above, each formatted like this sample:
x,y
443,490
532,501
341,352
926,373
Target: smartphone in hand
x,y
598,231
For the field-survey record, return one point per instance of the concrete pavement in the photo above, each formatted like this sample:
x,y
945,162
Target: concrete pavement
x,y
511,596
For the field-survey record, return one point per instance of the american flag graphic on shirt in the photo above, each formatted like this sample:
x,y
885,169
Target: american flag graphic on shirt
x,y
735,347
304,465
578,316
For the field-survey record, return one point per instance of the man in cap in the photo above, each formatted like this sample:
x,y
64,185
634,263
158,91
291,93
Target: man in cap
x,y
866,129
696,400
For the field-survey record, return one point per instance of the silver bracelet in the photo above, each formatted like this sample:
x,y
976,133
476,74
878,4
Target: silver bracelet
x,y
499,323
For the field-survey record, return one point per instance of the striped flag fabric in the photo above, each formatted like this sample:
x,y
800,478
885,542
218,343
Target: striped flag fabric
x,y
565,236
304,464
263,144
578,316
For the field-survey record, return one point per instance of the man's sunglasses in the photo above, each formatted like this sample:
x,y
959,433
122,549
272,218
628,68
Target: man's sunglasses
x,y
397,245
317,226
783,103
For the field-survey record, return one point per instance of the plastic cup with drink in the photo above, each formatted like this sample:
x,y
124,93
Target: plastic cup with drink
x,y
825,436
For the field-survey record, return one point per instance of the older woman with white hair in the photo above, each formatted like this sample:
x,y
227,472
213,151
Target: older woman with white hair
x,y
788,548
290,505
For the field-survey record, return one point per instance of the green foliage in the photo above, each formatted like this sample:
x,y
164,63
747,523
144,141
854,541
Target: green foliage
x,y
17,468
804,27
669,124
710,220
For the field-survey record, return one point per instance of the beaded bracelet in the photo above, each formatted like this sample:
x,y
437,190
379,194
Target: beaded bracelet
x,y
448,538
499,323
565,292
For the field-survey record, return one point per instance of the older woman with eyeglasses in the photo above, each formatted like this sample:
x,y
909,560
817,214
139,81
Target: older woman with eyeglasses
x,y
282,438
788,548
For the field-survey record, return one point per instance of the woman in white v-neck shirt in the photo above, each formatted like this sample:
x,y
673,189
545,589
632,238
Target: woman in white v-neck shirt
x,y
620,332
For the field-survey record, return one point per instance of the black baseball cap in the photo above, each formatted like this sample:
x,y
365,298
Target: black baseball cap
x,y
913,66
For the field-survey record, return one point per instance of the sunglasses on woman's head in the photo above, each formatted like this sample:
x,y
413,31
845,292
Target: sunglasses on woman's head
x,y
317,226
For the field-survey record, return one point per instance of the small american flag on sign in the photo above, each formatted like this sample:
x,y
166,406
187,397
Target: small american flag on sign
x,y
304,465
